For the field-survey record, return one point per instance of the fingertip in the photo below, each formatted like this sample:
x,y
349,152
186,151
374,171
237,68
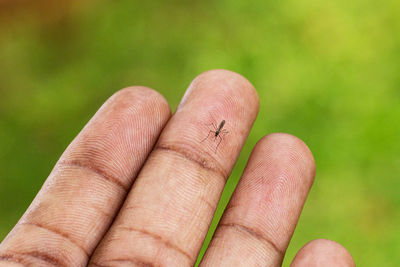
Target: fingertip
x,y
230,79
233,86
291,151
323,252
142,94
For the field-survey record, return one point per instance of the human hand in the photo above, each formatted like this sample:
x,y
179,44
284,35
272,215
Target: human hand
x,y
137,187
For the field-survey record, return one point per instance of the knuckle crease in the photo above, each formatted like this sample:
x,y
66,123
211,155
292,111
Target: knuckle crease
x,y
254,233
93,168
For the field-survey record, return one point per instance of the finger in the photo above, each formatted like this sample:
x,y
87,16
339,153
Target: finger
x,y
260,218
84,191
323,252
169,209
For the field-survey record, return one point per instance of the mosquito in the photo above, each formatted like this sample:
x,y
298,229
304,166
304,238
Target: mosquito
x,y
218,131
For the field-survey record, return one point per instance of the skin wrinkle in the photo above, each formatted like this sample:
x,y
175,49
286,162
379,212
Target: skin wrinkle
x,y
229,207
188,152
59,233
99,209
19,257
11,258
208,203
93,168
254,233
132,261
103,213
160,239
98,264
140,207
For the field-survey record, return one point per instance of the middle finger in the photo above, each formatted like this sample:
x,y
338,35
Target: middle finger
x,y
169,208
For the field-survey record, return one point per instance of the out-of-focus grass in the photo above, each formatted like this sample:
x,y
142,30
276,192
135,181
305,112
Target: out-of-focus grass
x,y
325,71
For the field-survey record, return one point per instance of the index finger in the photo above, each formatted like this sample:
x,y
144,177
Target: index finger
x,y
168,211
86,188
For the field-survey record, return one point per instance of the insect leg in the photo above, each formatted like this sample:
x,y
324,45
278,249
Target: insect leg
x,y
207,136
213,125
223,133
218,143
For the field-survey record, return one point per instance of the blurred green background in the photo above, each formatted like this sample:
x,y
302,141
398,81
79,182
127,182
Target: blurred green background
x,y
325,71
